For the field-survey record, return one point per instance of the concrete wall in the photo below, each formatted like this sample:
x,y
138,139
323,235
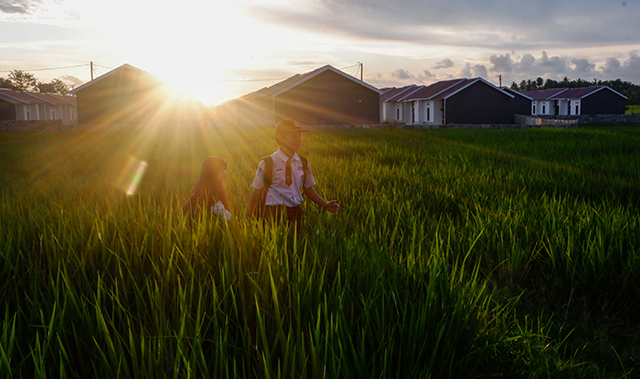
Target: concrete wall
x,y
34,126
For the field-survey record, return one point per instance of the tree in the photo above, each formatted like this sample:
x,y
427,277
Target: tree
x,y
6,83
55,86
23,81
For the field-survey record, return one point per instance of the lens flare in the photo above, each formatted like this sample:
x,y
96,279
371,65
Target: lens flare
x,y
131,176
137,178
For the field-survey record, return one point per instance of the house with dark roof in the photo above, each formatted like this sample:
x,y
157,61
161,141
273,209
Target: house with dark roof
x,y
325,96
456,101
576,101
30,106
124,96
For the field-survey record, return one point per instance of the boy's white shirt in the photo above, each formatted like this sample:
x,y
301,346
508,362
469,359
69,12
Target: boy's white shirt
x,y
279,193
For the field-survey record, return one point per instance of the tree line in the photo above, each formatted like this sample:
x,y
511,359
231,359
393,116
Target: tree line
x,y
22,81
628,89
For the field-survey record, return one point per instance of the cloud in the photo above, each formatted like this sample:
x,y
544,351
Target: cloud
x,y
445,63
545,65
401,74
501,63
18,6
499,24
516,68
71,80
426,74
628,69
476,70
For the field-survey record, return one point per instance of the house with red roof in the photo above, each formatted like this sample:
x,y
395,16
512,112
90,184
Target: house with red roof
x,y
576,101
325,96
33,106
456,101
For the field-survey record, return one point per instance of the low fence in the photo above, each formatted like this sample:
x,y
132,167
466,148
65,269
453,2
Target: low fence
x,y
574,121
432,127
522,122
35,126
610,119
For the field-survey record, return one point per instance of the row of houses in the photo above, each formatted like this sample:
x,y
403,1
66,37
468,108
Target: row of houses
x,y
123,96
456,101
328,96
575,101
31,106
325,96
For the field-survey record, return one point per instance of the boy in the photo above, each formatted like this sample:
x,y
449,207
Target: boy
x,y
290,178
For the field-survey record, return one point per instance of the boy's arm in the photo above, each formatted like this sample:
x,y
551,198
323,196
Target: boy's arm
x,y
331,205
253,199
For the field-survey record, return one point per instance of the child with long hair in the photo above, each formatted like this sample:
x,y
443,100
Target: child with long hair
x,y
209,192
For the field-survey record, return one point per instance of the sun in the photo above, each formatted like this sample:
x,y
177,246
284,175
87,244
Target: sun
x,y
189,44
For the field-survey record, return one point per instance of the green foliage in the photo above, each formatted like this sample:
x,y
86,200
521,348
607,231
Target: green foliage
x,y
457,253
19,80
22,81
632,109
55,86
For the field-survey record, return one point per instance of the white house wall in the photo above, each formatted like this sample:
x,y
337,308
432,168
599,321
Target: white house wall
x,y
419,112
576,107
409,109
563,109
392,112
437,112
543,108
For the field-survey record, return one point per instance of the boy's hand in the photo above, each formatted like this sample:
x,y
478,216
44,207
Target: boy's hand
x,y
332,206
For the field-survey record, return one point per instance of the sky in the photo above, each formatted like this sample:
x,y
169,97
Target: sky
x,y
218,50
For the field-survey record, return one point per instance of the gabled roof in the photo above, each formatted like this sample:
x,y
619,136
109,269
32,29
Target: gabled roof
x,y
14,97
298,79
439,90
582,92
62,99
567,93
432,91
514,92
17,97
543,94
124,67
392,93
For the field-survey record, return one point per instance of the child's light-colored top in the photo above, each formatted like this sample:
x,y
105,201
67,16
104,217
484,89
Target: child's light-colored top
x,y
219,210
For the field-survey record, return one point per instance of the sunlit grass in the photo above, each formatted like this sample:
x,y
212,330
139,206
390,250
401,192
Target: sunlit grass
x,y
457,253
632,109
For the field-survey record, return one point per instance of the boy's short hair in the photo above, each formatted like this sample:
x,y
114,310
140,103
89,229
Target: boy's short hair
x,y
288,125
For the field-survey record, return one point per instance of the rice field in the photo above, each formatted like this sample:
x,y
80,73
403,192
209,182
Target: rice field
x,y
457,253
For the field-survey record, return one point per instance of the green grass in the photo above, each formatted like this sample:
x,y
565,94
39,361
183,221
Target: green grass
x,y
457,253
633,109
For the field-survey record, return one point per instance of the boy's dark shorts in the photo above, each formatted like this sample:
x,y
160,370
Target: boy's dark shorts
x,y
279,212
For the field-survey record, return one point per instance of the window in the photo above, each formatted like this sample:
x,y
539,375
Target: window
x,y
533,109
398,113
577,110
544,109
